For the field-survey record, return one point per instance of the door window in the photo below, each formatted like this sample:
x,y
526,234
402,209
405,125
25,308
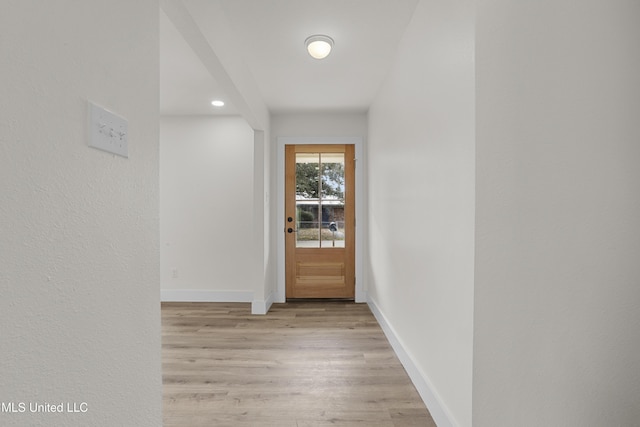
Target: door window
x,y
320,200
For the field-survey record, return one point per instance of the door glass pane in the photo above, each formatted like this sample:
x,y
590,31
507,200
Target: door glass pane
x,y
332,199
307,200
320,200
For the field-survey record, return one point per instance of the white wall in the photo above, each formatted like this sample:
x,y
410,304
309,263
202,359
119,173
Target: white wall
x,y
421,204
79,312
318,124
264,235
558,212
206,209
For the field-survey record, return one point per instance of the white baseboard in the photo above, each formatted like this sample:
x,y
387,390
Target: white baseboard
x,y
438,410
279,298
260,306
201,295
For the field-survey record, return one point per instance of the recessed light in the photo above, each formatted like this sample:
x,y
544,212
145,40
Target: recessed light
x,y
319,46
217,103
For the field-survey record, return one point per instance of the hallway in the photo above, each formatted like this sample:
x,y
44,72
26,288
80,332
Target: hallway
x,y
303,364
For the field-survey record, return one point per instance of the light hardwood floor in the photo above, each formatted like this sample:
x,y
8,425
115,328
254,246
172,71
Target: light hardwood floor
x,y
304,364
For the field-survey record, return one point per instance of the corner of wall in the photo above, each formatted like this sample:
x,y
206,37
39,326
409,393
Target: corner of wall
x,y
261,307
439,412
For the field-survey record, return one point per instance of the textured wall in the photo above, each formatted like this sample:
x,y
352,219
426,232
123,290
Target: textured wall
x,y
79,285
556,339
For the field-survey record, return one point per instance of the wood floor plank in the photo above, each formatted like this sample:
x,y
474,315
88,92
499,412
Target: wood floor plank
x,y
304,364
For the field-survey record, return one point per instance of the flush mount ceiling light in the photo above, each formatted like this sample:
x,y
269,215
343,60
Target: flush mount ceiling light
x,y
217,103
319,46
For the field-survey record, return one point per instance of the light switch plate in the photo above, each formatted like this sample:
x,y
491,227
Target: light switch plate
x,y
107,131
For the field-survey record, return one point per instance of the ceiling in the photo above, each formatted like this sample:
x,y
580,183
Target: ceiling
x,y
260,43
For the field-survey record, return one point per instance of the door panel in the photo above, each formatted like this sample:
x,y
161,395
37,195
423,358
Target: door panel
x,y
320,221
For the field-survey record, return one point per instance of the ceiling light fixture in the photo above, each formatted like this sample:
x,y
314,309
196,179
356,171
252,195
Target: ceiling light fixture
x,y
319,46
217,103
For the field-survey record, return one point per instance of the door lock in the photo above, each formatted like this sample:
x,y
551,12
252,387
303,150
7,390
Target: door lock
x,y
290,230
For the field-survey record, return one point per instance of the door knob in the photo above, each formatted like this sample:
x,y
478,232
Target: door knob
x,y
291,230
289,219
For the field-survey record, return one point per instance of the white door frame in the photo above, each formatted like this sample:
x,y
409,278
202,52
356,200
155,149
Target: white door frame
x,y
280,268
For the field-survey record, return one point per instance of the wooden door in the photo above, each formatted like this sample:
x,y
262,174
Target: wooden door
x,y
320,221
